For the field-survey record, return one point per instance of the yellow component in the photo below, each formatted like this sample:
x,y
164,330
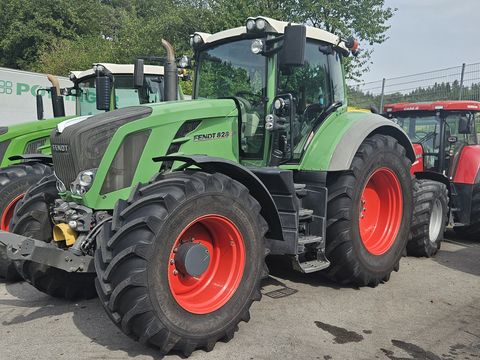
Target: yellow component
x,y
353,108
63,232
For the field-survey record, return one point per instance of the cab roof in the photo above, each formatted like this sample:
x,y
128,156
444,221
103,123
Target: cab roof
x,y
276,27
433,105
117,69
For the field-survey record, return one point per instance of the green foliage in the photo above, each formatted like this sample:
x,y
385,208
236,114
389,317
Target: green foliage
x,y
61,35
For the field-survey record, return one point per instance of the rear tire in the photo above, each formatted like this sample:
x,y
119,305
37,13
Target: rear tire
x,y
430,216
32,218
135,262
15,180
472,231
355,257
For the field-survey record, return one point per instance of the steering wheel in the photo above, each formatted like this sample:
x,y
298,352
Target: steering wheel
x,y
315,109
251,99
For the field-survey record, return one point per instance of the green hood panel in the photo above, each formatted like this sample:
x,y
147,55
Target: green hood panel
x,y
216,135
20,135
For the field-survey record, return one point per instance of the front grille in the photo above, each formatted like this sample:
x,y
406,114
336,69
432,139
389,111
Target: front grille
x,y
32,146
81,146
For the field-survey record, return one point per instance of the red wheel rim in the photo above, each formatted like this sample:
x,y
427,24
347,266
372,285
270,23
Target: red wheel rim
x,y
212,289
381,211
8,213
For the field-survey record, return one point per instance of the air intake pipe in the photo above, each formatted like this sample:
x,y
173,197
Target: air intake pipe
x,y
170,73
57,98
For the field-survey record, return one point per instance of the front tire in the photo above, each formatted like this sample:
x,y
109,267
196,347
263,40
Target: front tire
x,y
429,218
32,219
369,213
147,291
15,180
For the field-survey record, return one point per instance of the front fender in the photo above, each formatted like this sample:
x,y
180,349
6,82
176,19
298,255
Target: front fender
x,y
242,175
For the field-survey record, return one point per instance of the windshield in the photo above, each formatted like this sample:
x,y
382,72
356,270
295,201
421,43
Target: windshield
x,y
232,69
125,93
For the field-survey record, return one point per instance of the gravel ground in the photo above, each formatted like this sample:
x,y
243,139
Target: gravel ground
x,y
430,309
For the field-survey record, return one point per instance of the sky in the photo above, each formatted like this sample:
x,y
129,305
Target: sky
x,y
427,35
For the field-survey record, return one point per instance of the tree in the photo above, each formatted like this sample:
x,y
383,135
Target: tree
x,y
28,26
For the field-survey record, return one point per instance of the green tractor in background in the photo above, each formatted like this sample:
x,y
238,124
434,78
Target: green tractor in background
x,y
173,207
25,154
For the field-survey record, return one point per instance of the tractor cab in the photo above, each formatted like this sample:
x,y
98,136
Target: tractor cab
x,y
439,130
106,87
286,79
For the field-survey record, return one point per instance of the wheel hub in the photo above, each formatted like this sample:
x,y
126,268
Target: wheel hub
x,y
192,259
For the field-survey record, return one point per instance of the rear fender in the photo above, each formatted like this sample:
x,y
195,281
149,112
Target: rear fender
x,y
242,175
337,140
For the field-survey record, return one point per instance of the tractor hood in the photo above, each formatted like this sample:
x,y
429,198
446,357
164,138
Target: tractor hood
x,y
10,132
103,141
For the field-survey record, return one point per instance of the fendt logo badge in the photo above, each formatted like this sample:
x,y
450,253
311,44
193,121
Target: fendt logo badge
x,y
60,147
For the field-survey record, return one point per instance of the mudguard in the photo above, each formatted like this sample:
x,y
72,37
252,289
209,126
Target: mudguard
x,y
244,176
337,140
358,132
468,166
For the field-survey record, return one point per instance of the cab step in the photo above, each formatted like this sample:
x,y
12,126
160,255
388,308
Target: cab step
x,y
310,266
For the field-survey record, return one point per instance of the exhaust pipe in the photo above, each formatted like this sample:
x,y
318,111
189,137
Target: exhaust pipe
x,y
170,73
57,98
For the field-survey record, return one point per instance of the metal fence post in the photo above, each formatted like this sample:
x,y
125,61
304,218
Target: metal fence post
x,y
461,82
382,98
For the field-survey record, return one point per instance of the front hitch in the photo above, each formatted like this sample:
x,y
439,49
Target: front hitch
x,y
22,248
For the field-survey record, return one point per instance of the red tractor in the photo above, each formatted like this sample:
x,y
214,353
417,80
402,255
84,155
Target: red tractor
x,y
444,134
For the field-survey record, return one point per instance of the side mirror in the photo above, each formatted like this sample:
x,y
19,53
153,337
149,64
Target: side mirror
x,y
293,49
39,106
138,73
104,92
465,125
374,109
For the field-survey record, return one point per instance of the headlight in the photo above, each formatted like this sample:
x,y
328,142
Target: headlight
x,y
261,24
257,25
86,178
257,46
250,25
83,182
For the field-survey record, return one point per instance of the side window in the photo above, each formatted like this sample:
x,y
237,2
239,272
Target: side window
x,y
310,87
87,100
336,76
477,124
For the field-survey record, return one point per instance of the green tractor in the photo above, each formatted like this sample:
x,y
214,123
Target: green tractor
x,y
25,154
173,207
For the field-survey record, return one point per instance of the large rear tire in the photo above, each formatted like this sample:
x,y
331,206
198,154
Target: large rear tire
x,y
32,218
472,231
430,216
147,291
369,213
15,180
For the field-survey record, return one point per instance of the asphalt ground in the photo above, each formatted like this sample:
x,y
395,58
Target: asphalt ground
x,y
430,309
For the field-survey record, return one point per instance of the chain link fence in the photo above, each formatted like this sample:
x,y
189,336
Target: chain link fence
x,y
454,83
